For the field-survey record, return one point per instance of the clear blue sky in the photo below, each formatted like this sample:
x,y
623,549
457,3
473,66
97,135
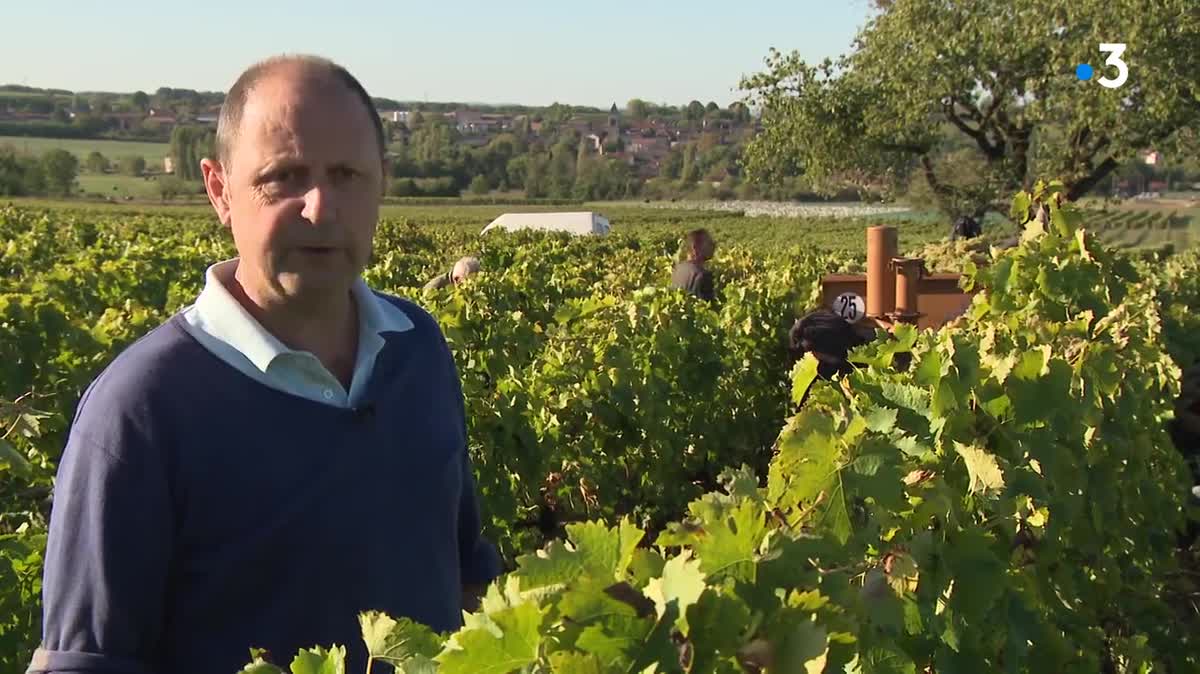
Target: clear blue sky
x,y
529,51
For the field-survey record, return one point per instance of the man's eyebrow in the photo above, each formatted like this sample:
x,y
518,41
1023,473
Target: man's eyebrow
x,y
278,164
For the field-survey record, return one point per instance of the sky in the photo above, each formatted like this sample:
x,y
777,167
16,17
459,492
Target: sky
x,y
532,52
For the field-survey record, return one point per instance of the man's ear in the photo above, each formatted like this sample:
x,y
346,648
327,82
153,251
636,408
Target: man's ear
x,y
216,183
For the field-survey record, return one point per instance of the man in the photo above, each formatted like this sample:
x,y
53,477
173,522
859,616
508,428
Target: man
x,y
965,227
462,269
690,273
283,454
829,338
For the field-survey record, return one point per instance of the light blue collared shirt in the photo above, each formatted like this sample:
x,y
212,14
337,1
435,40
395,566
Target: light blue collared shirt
x,y
223,326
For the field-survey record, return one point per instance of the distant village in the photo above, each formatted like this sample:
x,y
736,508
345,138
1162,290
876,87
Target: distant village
x,y
643,143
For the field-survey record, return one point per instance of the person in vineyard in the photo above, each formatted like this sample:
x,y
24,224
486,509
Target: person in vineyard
x,y
283,454
690,274
829,338
462,269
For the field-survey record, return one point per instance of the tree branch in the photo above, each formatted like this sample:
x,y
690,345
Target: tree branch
x,y
1082,187
991,150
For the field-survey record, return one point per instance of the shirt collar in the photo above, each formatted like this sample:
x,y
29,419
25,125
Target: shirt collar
x,y
228,320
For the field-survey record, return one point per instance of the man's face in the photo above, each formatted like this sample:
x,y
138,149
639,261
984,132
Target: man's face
x,y
302,191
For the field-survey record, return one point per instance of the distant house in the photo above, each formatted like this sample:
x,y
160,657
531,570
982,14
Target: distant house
x,y
207,119
397,116
168,165
1151,157
470,122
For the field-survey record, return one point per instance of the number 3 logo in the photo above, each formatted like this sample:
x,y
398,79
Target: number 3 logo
x,y
1114,50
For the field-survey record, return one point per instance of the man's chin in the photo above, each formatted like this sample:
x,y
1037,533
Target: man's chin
x,y
315,283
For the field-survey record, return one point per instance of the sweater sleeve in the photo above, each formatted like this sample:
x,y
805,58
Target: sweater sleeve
x,y
479,561
107,558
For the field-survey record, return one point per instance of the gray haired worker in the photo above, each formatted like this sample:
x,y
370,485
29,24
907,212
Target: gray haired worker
x,y
462,269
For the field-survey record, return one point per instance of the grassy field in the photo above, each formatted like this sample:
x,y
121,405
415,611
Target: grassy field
x,y
119,186
112,149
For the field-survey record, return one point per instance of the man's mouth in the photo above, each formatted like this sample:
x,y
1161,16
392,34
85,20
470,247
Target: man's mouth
x,y
317,250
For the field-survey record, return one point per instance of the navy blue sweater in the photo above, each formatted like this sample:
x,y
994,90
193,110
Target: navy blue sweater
x,y
198,513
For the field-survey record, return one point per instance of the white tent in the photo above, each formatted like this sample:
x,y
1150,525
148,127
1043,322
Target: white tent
x,y
584,222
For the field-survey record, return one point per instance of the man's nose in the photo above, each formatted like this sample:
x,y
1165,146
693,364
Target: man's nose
x,y
319,203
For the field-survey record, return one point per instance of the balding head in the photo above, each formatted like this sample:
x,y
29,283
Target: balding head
x,y
269,76
464,268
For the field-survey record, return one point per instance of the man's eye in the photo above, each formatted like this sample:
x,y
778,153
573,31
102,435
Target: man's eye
x,y
344,172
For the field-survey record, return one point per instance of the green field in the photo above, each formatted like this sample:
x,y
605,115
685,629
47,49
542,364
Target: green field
x,y
112,149
119,186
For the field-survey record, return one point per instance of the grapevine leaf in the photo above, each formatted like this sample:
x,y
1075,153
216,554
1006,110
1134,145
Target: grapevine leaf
x,y
595,550
681,585
727,548
986,476
566,662
320,661
505,641
978,575
397,640
881,419
803,374
880,660
260,666
13,459
803,649
614,640
716,624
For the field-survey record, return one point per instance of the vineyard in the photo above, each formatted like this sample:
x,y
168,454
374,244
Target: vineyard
x,y
1009,500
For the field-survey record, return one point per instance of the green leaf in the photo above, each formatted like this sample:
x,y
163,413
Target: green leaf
x,y
496,643
394,640
595,550
681,585
882,419
986,476
880,660
1019,212
978,575
727,547
258,665
615,640
13,459
716,625
803,649
320,661
566,662
803,374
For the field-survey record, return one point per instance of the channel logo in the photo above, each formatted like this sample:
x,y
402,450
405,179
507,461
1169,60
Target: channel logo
x,y
1084,71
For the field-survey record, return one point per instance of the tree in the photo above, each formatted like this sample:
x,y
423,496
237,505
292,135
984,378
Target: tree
x,y
694,111
1004,83
133,165
637,108
689,171
141,100
712,107
170,187
61,115
61,168
479,185
741,112
96,163
190,144
671,165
